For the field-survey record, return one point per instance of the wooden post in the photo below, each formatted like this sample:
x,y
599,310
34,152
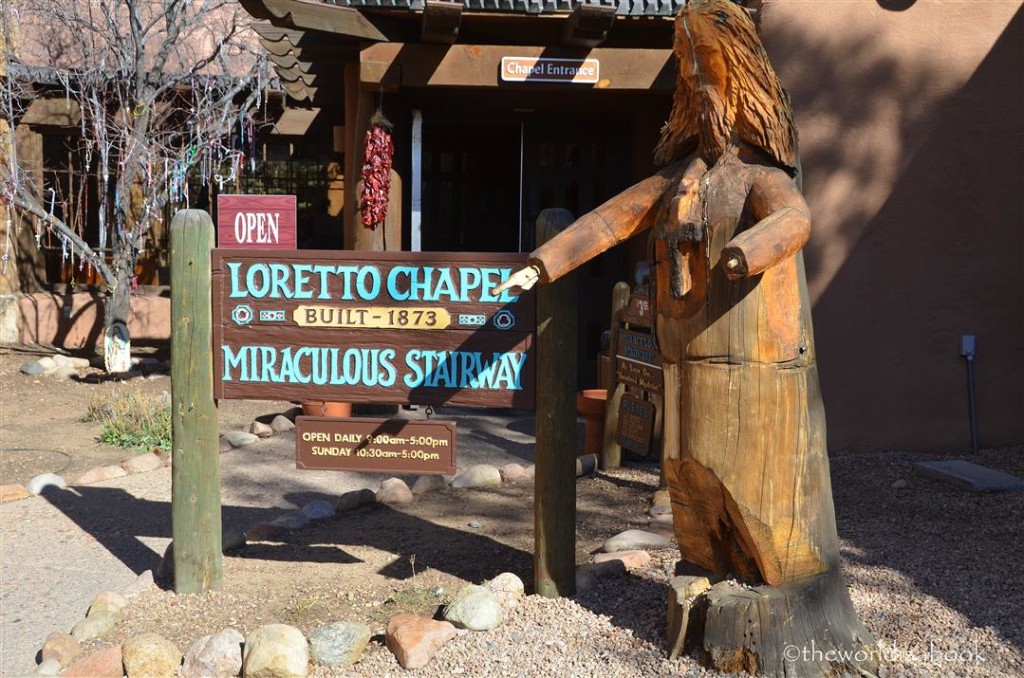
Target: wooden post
x,y
555,489
195,479
611,451
358,109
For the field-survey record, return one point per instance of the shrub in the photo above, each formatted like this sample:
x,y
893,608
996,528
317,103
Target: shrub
x,y
132,419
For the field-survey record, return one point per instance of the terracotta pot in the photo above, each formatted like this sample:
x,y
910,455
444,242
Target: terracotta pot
x,y
318,408
591,404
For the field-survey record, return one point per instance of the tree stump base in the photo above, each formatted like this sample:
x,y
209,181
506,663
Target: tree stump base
x,y
804,629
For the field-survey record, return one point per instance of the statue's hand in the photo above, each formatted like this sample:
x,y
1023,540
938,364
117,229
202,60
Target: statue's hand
x,y
520,281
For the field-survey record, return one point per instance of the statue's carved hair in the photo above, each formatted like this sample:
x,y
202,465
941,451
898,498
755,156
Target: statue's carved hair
x,y
726,89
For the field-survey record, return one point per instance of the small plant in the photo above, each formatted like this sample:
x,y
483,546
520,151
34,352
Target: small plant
x,y
132,419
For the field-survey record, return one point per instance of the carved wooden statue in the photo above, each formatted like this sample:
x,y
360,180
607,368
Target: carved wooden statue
x,y
744,439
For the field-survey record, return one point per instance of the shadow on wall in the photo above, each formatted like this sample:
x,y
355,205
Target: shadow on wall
x,y
912,161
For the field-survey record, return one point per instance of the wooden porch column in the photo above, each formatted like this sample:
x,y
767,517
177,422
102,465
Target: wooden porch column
x,y
358,109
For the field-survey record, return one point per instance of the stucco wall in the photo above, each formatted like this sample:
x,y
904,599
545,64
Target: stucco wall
x,y
910,117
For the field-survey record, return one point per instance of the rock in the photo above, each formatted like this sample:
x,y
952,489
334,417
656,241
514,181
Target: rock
x,y
94,625
110,601
426,484
662,524
900,484
415,640
150,655
605,570
630,559
64,373
103,664
355,498
60,647
44,481
261,430
231,540
661,504
142,463
531,470
216,656
48,667
475,524
586,580
291,520
475,608
339,644
99,474
263,532
70,361
13,492
239,438
508,588
281,424
635,539
142,583
318,509
394,491
514,473
478,475
33,368
275,651
223,445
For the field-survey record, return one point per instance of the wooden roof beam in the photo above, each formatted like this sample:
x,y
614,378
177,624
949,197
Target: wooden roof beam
x,y
588,25
441,20
316,16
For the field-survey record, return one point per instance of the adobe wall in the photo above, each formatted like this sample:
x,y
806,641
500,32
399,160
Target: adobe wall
x,y
75,321
910,117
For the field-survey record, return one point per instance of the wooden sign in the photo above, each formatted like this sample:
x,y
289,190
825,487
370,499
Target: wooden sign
x,y
637,361
256,221
638,311
545,69
384,327
636,423
375,445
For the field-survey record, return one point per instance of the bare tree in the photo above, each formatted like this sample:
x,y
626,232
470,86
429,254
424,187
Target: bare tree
x,y
164,91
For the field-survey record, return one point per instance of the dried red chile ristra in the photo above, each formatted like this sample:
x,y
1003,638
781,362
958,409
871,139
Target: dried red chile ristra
x,y
378,152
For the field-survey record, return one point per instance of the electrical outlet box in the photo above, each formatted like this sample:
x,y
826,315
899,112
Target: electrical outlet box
x,y
967,346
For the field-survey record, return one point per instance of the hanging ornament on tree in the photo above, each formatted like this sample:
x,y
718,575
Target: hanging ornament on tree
x,y
378,153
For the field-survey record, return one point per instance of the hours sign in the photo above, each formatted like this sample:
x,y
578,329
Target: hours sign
x,y
391,327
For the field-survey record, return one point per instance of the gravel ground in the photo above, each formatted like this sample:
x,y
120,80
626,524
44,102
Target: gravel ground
x,y
932,572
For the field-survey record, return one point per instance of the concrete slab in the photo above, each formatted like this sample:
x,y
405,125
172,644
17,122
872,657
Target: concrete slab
x,y
971,476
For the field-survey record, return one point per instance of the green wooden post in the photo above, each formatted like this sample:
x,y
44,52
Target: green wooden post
x,y
555,486
195,478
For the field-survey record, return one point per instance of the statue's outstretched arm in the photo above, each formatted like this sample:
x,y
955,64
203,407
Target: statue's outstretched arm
x,y
597,231
783,227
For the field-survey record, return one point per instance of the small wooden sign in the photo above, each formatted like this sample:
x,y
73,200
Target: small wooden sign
x,y
375,445
636,423
256,221
544,69
638,312
638,361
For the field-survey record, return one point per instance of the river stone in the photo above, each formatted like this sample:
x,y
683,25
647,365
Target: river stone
x,y
291,520
70,361
275,651
415,640
281,424
48,667
99,474
216,656
13,492
142,463
141,584
44,482
263,532
475,608
354,499
394,491
111,601
634,559
635,539
150,655
94,625
261,430
514,473
60,647
338,644
318,509
426,484
33,368
103,664
223,445
478,475
239,438
509,589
